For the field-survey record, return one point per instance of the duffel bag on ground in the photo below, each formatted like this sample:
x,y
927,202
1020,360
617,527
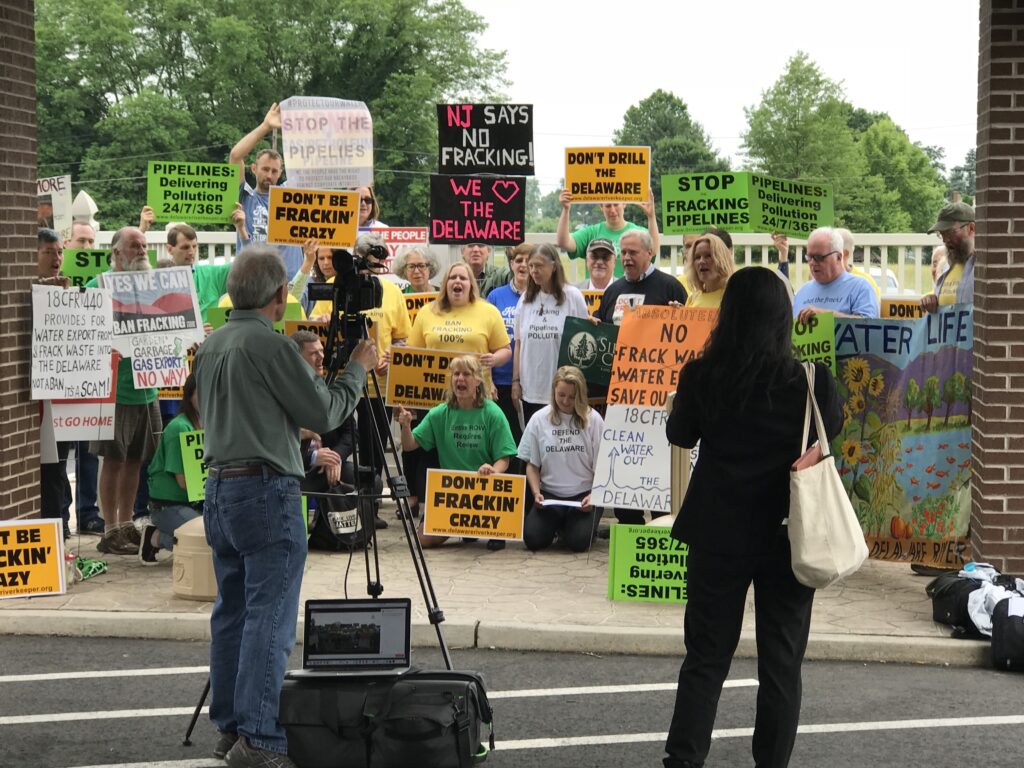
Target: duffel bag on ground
x,y
949,593
1008,634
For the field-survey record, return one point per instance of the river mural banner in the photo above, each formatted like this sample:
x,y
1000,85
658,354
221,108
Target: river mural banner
x,y
904,452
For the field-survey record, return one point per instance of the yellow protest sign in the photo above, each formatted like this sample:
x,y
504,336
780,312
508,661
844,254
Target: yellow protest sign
x,y
414,302
902,309
593,299
31,558
468,504
608,174
296,215
418,378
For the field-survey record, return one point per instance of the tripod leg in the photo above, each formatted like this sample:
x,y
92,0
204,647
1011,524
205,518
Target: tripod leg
x,y
187,742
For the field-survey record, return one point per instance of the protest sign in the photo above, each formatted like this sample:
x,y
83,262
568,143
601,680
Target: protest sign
x,y
653,345
86,419
468,504
414,302
589,347
200,193
608,174
154,305
72,333
296,215
158,362
469,209
327,143
633,465
31,558
593,299
81,265
218,316
904,451
53,206
485,138
814,341
645,564
398,240
902,309
740,201
418,378
192,461
177,392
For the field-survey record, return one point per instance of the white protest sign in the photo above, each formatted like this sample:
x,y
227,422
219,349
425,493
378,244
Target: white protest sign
x,y
158,304
55,192
75,422
327,143
634,464
71,339
158,362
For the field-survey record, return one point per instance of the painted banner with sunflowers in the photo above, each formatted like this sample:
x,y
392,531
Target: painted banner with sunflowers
x,y
904,452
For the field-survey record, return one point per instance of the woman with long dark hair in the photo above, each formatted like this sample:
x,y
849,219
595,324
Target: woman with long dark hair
x,y
744,401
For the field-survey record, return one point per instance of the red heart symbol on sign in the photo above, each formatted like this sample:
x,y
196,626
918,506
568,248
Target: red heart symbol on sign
x,y
505,190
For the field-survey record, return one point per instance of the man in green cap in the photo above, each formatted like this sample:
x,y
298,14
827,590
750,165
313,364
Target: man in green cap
x,y
955,226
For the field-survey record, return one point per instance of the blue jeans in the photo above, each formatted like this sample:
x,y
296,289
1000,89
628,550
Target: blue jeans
x,y
254,527
168,518
87,467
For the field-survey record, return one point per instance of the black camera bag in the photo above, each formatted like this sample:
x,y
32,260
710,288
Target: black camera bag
x,y
949,593
1007,638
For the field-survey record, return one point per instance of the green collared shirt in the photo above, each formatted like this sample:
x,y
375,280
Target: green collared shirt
x,y
255,391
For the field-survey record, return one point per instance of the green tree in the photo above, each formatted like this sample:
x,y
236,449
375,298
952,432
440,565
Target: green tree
x,y
929,399
962,177
911,399
952,393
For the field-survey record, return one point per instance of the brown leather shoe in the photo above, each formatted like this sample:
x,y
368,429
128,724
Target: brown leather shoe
x,y
115,542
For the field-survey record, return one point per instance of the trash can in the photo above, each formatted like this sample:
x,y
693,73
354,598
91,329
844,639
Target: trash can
x,y
193,577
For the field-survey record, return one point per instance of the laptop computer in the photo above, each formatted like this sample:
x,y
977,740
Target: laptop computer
x,y
356,637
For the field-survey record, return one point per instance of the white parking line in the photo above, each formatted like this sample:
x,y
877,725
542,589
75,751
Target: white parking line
x,y
93,674
603,689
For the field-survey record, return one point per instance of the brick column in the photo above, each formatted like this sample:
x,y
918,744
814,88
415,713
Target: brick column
x,y
997,509
19,438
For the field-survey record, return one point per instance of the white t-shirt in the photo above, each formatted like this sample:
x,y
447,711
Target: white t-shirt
x,y
567,456
539,327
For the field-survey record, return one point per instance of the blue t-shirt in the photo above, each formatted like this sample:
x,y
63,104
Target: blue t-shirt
x,y
257,216
848,294
505,299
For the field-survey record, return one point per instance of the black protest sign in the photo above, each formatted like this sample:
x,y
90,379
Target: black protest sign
x,y
485,138
473,209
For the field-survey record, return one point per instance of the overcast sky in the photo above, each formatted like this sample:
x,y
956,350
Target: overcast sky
x,y
583,64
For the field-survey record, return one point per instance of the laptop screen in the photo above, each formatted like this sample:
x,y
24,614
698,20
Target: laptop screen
x,y
357,635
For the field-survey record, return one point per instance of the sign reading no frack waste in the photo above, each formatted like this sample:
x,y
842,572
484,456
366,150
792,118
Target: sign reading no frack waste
x,y
201,193
297,215
740,201
608,174
192,461
31,558
71,343
327,143
645,564
468,504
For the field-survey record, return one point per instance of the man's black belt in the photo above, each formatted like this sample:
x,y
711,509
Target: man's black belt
x,y
249,470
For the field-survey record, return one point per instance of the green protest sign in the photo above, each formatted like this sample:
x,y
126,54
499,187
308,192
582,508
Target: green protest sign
x,y
192,461
218,316
814,341
200,193
646,565
80,265
740,201
589,347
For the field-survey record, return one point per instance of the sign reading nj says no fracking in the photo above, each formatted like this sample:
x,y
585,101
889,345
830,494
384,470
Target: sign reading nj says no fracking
x,y
485,138
608,174
471,209
297,215
202,193
743,202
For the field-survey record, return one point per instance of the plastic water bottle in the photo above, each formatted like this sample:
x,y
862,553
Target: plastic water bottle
x,y
970,566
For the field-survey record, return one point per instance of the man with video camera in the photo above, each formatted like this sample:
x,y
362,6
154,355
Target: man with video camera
x,y
255,392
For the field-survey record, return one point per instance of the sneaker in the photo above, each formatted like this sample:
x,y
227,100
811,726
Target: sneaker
x,y
132,535
92,527
225,742
495,545
604,533
114,542
147,554
245,755
379,523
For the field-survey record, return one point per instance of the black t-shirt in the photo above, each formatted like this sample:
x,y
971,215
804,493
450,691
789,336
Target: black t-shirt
x,y
657,288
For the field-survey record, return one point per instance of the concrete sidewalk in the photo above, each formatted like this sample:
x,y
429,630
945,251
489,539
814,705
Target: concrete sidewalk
x,y
513,599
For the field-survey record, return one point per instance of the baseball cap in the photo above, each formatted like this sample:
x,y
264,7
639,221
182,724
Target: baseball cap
x,y
601,244
951,215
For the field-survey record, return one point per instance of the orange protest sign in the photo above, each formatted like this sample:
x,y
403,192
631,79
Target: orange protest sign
x,y
903,309
654,344
608,174
418,378
296,215
468,504
31,558
593,299
414,302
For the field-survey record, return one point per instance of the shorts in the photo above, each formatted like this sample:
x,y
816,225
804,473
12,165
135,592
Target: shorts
x,y
134,436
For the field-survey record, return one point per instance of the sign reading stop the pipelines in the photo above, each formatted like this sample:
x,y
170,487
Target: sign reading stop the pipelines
x,y
740,201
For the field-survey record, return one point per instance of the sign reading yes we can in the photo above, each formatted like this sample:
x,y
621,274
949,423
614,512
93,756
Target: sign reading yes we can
x,y
468,504
297,215
608,174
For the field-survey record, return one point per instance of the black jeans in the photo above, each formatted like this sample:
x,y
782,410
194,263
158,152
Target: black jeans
x,y
576,526
716,593
54,486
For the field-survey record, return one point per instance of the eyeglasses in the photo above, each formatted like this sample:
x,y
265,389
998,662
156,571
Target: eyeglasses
x,y
417,266
820,257
946,234
366,200
599,255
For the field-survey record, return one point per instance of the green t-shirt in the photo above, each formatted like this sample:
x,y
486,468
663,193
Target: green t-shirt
x,y
166,462
211,283
467,438
583,236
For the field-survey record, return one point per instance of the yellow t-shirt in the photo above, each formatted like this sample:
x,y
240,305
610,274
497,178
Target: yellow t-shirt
x,y
706,299
947,294
476,328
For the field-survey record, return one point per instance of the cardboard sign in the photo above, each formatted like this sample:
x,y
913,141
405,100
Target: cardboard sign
x,y
218,316
31,558
177,392
398,240
54,203
814,341
485,138
319,327
81,265
154,305
471,209
740,201
296,215
902,309
608,174
633,465
88,419
414,302
192,460
593,299
653,345
201,193
72,333
158,362
418,378
327,143
589,347
468,504
645,564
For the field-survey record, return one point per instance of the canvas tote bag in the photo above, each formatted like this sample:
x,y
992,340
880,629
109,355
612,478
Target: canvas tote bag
x,y
825,536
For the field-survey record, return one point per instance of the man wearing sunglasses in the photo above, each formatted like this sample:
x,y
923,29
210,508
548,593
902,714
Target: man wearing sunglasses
x,y
955,226
832,288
